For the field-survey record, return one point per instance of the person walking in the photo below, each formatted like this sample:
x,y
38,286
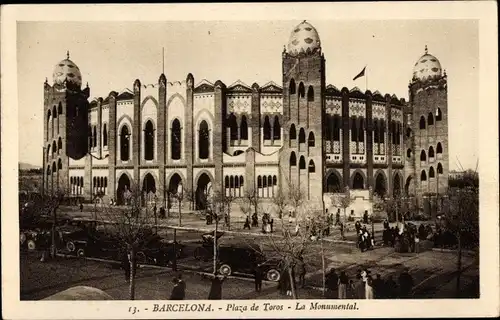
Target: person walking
x,y
247,223
182,285
343,284
359,287
378,287
405,284
216,288
271,223
259,276
81,207
369,294
331,282
177,291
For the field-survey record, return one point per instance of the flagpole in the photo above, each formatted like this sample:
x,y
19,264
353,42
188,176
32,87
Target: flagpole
x,y
366,79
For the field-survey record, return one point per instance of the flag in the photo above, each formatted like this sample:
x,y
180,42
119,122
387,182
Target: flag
x,y
361,74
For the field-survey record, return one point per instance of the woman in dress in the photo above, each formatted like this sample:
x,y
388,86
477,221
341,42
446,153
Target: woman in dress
x,y
343,284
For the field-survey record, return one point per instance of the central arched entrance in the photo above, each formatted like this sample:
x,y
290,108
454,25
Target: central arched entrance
x,y
148,194
203,191
380,186
123,191
333,184
358,181
174,190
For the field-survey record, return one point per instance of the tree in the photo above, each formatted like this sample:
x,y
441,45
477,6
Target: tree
x,y
130,227
462,219
343,201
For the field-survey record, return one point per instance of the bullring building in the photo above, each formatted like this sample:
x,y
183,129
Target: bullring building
x,y
199,136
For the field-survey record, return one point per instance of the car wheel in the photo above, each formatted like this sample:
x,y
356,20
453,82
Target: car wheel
x,y
31,245
273,275
140,257
225,269
80,252
22,238
70,246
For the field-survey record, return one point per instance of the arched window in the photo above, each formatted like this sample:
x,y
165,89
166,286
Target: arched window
x,y
310,141
275,181
312,167
430,121
293,159
226,182
375,131
439,148
94,183
361,133
439,115
302,163
310,94
302,90
276,129
302,136
94,136
48,123
231,182
54,112
431,172
244,128
233,127
259,182
59,109
336,128
423,157
124,144
408,132
176,140
440,168
204,140
431,152
422,122
354,131
54,147
358,181
382,132
149,141
267,128
393,132
48,151
105,135
423,176
293,132
408,153
241,181
293,87
398,133
59,164
333,183
59,145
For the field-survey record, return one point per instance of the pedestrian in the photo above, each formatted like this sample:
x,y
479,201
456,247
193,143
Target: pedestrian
x,y
405,284
255,220
343,284
359,287
369,294
126,266
271,223
176,293
390,288
331,283
342,234
365,217
378,287
182,284
81,207
337,217
386,224
302,272
216,288
154,210
259,276
247,223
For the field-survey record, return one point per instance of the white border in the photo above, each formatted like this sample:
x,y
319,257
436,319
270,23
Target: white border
x,y
484,11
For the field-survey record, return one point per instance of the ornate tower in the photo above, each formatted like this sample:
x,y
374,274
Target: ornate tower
x,y
65,124
428,94
301,159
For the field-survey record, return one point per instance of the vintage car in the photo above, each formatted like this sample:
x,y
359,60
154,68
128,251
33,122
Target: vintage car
x,y
161,251
244,258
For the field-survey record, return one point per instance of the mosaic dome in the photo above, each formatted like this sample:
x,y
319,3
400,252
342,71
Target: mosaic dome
x,y
427,67
304,38
67,69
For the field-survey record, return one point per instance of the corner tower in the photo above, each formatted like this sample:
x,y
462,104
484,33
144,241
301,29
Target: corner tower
x,y
65,124
301,159
428,92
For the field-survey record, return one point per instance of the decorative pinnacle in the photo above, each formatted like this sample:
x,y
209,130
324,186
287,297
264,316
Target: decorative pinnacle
x,y
46,80
67,54
425,49
304,21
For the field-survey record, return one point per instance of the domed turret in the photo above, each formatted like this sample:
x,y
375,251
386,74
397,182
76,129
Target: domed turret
x,y
303,39
427,67
67,70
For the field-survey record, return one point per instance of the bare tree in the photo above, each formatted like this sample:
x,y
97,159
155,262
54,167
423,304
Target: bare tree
x,y
343,201
130,226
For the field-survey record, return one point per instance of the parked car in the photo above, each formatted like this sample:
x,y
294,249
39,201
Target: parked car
x,y
161,251
244,257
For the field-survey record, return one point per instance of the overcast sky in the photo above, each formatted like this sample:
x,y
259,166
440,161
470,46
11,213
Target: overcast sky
x,y
111,55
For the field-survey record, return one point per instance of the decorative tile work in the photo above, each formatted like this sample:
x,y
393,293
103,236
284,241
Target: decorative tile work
x,y
328,147
396,115
378,111
337,146
356,108
361,147
382,148
333,107
271,105
238,104
352,147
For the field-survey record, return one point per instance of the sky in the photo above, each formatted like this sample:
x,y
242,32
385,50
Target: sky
x,y
111,55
